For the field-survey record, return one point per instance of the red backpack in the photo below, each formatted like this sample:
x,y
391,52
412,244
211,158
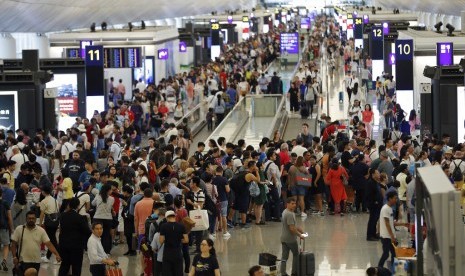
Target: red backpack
x,y
152,171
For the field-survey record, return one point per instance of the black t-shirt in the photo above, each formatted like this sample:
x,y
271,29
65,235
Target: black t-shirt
x,y
220,182
205,266
173,233
156,119
345,157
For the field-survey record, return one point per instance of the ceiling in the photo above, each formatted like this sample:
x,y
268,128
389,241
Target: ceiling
x,y
432,6
59,15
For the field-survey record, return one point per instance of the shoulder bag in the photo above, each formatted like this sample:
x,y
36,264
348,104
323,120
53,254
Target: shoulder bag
x,y
52,220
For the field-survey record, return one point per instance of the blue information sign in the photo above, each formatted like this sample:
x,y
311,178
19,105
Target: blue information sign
x,y
404,49
377,33
445,53
94,56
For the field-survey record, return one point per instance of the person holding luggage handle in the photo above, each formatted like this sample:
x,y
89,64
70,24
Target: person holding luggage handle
x,y
288,236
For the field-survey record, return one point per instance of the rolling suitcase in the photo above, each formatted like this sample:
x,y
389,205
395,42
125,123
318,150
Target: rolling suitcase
x,y
341,96
306,261
304,112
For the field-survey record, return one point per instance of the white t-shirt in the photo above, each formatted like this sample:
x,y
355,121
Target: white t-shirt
x,y
83,199
66,149
386,212
115,150
299,150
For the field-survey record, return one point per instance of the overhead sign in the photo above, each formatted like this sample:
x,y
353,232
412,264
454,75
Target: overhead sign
x,y
215,26
163,54
404,49
444,53
82,45
230,19
366,19
290,43
245,18
182,47
94,56
385,28
305,23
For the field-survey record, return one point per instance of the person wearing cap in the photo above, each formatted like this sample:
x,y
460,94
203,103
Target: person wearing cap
x,y
74,231
172,235
8,174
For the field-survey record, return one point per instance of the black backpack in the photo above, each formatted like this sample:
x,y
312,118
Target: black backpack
x,y
237,181
3,215
457,173
209,205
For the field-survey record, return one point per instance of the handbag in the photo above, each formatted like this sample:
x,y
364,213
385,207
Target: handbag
x,y
200,217
113,271
254,190
303,179
188,224
267,259
52,220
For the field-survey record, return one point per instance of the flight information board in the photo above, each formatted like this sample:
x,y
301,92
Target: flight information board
x,y
73,53
123,57
290,43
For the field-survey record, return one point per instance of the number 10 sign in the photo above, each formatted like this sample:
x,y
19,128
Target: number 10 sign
x,y
404,49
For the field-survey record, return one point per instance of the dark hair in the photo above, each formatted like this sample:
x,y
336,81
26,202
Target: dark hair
x,y
104,192
211,244
95,223
372,172
391,194
371,271
148,192
31,212
74,203
290,200
254,269
413,115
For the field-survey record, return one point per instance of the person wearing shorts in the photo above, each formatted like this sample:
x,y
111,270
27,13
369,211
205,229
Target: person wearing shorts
x,y
6,227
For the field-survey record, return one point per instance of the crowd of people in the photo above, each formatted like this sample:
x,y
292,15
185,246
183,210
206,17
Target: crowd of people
x,y
101,186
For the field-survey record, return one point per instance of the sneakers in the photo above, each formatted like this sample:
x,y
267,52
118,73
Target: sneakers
x,y
212,236
4,267
303,214
226,235
44,260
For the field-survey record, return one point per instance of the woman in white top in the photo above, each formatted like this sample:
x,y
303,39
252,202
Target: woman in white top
x,y
199,90
178,111
103,203
57,164
142,176
49,219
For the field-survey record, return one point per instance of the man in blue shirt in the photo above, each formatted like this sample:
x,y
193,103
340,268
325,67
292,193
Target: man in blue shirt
x,y
232,93
8,193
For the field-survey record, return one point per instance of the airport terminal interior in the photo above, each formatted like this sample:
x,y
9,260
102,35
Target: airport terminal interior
x,y
260,137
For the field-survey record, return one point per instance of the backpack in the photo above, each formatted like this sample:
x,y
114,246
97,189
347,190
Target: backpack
x,y
457,173
254,189
167,198
145,242
237,181
209,205
3,215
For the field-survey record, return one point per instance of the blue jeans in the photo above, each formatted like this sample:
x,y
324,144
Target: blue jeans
x,y
155,132
212,221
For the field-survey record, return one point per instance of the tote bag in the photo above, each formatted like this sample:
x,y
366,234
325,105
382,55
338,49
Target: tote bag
x,y
303,179
200,217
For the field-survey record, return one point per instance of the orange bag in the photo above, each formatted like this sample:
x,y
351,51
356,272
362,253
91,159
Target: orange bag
x,y
113,271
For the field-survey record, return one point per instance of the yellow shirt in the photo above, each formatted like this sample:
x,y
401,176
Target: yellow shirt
x,y
9,177
67,186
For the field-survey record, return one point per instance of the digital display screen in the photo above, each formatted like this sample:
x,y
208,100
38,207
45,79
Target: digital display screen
x,y
385,28
123,57
67,97
8,110
289,43
73,53
445,53
305,23
366,19
230,19
163,54
146,72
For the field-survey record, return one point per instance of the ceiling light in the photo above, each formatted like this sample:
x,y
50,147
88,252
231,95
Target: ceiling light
x,y
130,26
142,24
104,26
92,27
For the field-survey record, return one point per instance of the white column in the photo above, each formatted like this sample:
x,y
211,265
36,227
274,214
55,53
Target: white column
x,y
7,46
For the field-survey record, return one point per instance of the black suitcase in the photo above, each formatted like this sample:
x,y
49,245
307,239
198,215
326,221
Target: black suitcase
x,y
304,112
306,261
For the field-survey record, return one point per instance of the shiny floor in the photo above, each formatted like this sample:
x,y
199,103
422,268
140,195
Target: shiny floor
x,y
338,243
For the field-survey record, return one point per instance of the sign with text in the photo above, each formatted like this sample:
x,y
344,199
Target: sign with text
x,y
305,23
82,45
404,49
289,43
444,53
94,56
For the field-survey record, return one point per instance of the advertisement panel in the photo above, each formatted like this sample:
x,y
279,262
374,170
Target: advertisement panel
x,y
67,97
290,43
8,110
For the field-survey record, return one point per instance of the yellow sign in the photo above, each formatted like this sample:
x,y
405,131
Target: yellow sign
x,y
215,26
245,19
349,16
358,21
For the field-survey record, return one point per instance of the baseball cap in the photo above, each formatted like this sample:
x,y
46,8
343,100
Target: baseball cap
x,y
85,186
169,214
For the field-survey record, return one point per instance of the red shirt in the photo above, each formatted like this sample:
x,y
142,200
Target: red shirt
x,y
117,201
163,110
367,116
129,114
284,157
